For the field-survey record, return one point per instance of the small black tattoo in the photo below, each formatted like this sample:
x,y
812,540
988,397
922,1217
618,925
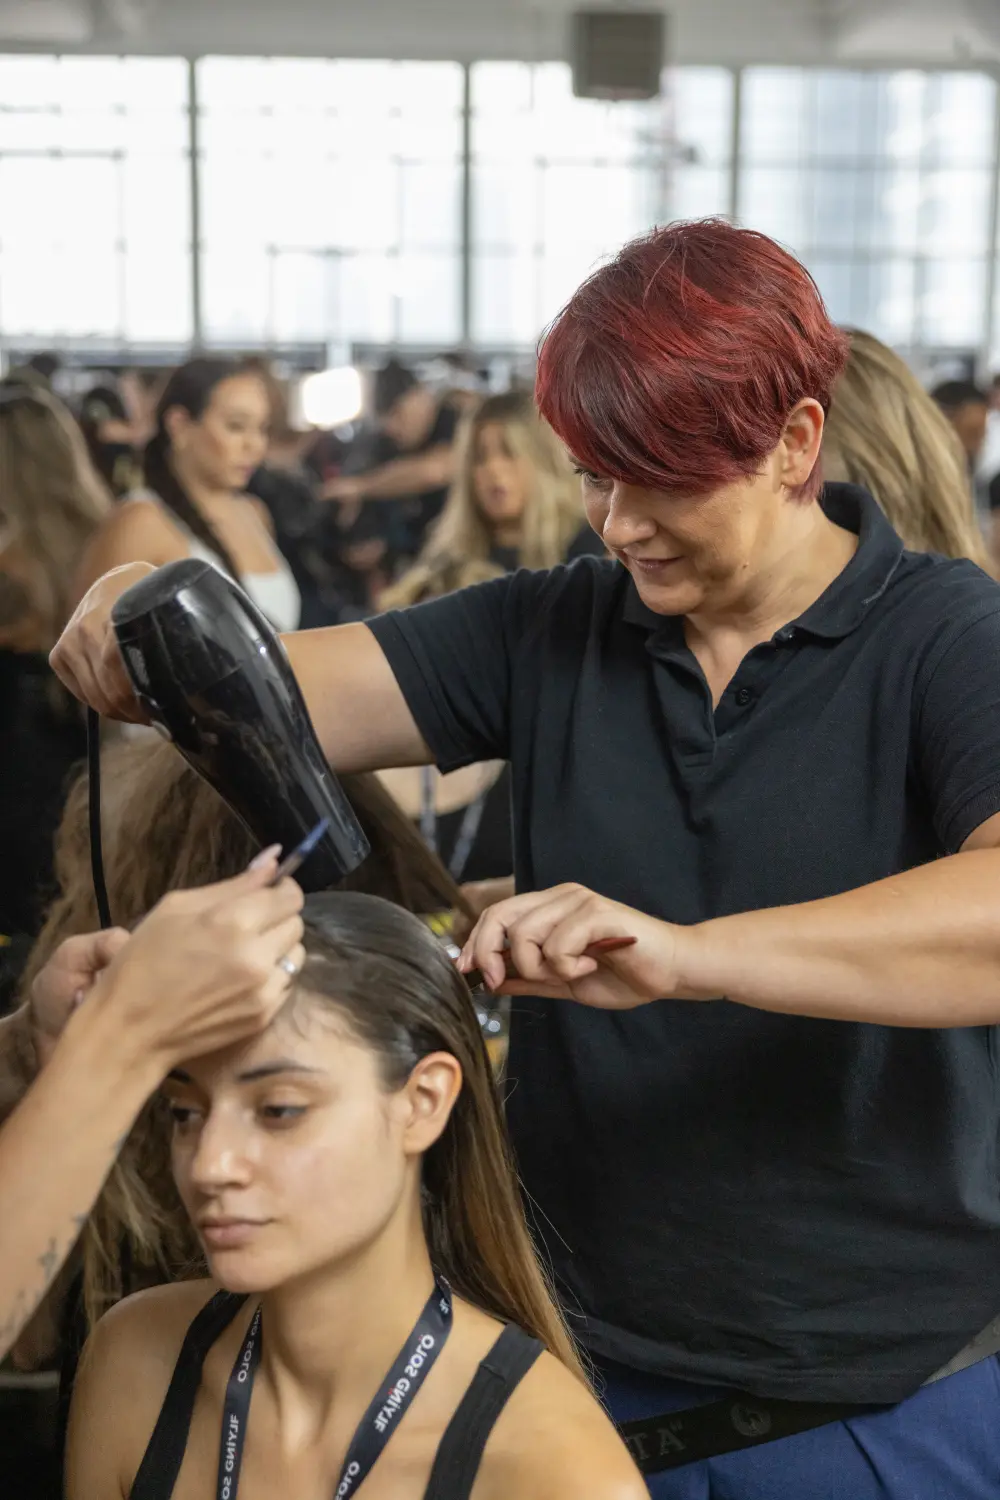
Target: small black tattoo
x,y
49,1261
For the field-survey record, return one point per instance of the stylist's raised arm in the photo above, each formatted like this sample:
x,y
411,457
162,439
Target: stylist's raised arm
x,y
205,969
352,694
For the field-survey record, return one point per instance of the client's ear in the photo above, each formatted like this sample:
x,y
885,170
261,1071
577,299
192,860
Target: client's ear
x,y
430,1093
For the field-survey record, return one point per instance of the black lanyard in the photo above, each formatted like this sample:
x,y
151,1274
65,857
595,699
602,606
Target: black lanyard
x,y
468,828
379,1422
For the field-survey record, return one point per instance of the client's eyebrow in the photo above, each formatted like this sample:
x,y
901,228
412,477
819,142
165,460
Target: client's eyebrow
x,y
268,1070
265,1070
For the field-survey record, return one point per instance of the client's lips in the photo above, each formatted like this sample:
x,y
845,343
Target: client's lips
x,y
229,1234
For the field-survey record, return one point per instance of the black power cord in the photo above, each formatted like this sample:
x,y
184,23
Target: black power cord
x,y
94,779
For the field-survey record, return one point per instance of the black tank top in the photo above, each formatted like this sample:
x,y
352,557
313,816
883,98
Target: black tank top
x,y
460,1449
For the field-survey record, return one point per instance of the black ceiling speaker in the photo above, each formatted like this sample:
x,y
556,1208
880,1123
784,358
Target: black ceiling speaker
x,y
617,54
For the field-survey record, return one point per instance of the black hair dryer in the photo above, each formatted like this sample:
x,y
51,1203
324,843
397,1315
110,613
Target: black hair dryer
x,y
214,678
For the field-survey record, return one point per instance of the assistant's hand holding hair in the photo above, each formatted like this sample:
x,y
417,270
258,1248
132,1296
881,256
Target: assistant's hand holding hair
x,y
206,968
65,979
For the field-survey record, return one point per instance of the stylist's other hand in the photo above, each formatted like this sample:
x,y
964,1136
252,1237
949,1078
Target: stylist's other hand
x,y
547,934
86,658
66,977
204,970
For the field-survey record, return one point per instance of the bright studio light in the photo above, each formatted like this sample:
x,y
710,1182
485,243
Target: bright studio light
x,y
331,398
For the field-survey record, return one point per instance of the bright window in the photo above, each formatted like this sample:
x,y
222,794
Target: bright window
x,y
95,220
330,195
559,183
881,182
330,200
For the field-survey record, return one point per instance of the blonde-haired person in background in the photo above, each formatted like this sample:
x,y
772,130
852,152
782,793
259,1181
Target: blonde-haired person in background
x,y
515,502
885,432
52,502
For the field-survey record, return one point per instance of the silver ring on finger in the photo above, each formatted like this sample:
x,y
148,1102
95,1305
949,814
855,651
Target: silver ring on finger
x,y
288,964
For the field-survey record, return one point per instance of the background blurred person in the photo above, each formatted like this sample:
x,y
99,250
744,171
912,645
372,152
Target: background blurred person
x,y
210,438
989,458
415,463
465,383
51,505
110,438
40,371
515,502
141,388
883,431
288,488
966,408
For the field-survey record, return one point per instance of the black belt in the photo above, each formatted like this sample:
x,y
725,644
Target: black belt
x,y
685,1437
740,1421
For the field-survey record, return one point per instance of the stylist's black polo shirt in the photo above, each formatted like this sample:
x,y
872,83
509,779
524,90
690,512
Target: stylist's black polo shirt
x,y
797,1207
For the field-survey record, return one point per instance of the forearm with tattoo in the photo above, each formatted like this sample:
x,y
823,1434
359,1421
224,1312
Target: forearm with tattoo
x,y
56,1150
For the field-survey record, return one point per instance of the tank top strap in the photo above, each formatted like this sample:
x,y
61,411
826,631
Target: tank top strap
x,y
461,1449
164,1454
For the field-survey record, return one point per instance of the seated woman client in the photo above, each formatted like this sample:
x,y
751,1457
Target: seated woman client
x,y
374,1288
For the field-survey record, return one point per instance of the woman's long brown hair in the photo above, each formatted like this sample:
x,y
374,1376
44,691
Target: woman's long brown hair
x,y
164,829
401,995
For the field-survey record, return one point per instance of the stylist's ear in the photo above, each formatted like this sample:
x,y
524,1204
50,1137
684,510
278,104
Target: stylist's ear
x,y
800,443
430,1093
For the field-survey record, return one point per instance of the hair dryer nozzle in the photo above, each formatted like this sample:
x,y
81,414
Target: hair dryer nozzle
x,y
214,677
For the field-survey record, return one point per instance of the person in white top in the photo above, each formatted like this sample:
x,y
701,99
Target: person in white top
x,y
211,434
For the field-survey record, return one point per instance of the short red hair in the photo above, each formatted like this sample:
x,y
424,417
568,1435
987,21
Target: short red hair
x,y
676,366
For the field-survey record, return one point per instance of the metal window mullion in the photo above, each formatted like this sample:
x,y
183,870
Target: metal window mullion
x,y
993,228
195,190
121,249
736,145
466,270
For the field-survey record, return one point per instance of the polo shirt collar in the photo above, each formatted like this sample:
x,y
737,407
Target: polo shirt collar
x,y
843,606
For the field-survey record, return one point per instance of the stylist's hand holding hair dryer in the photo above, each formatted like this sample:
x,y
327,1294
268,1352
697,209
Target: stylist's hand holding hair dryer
x,y
110,1015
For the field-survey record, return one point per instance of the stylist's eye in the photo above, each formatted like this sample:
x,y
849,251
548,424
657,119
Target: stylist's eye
x,y
592,480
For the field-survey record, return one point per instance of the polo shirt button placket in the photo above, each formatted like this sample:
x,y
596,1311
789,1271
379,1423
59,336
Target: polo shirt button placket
x,y
743,696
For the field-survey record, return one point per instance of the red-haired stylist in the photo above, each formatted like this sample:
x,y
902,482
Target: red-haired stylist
x,y
775,734
108,1017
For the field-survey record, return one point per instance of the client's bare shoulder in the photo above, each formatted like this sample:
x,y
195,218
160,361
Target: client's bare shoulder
x,y
123,1377
553,1441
